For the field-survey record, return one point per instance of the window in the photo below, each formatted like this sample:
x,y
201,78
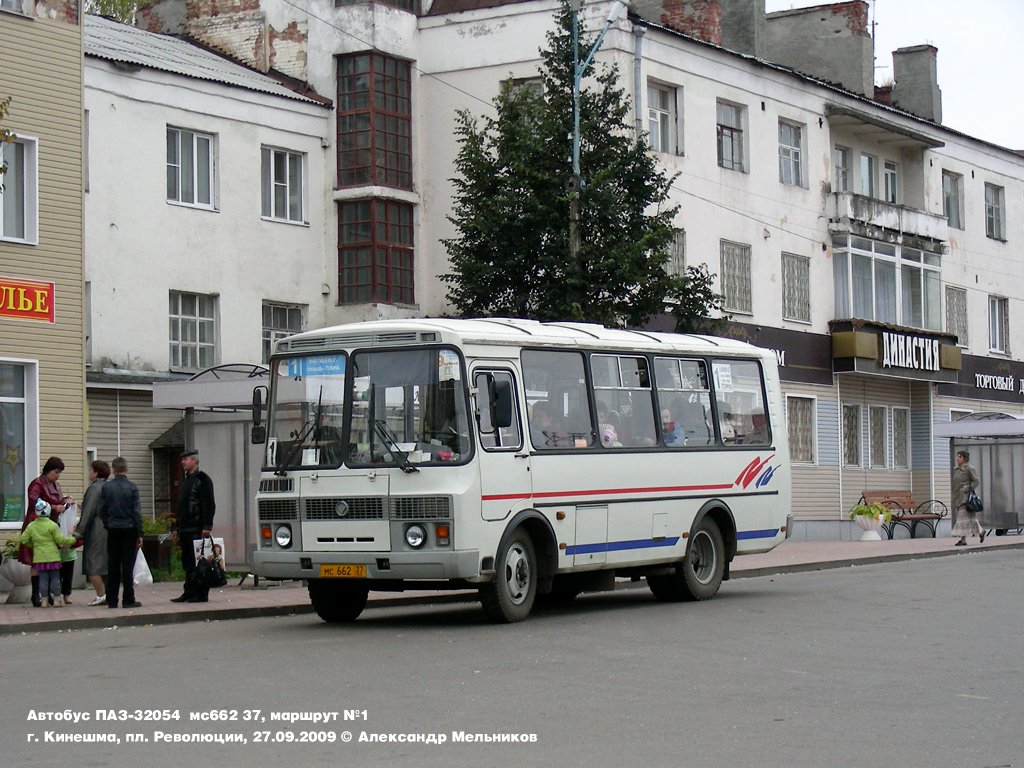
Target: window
x,y
662,126
17,411
676,264
496,438
889,175
374,121
739,403
405,5
736,277
841,160
531,85
796,287
868,176
998,324
14,6
193,330
558,398
901,438
952,198
790,163
375,252
994,207
190,167
283,188
685,398
279,321
851,435
956,313
19,196
624,401
730,136
878,435
802,429
887,283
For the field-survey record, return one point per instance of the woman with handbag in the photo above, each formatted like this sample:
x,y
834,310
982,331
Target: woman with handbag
x,y
47,488
94,550
965,481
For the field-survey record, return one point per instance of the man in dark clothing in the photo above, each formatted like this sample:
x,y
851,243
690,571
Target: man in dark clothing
x,y
194,520
120,509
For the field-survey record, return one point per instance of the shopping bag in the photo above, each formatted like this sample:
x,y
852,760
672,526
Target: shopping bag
x,y
974,503
210,572
142,574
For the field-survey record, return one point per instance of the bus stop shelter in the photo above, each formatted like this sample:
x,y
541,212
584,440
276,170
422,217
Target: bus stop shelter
x,y
995,442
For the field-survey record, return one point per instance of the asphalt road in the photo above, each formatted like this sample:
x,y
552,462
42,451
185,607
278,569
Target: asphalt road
x,y
905,663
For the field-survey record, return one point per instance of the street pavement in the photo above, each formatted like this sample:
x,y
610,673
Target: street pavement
x,y
243,599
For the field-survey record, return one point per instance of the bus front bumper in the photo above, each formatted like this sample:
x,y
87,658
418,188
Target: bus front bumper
x,y
433,564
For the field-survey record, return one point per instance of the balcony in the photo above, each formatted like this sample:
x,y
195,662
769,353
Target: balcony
x,y
848,212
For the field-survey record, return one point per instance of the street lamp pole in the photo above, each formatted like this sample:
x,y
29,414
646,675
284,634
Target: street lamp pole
x,y
576,183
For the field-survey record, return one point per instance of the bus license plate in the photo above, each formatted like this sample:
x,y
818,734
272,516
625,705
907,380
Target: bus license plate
x,y
342,571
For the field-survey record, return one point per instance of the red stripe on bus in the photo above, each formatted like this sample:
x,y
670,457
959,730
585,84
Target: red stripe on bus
x,y
561,494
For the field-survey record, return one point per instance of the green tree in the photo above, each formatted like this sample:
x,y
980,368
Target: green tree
x,y
691,299
511,204
6,136
122,10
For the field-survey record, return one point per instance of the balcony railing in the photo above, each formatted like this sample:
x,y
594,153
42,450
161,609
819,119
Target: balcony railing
x,y
845,209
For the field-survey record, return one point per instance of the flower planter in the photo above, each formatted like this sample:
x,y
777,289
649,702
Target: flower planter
x,y
869,524
20,576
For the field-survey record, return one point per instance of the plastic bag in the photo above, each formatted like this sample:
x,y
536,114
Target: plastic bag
x,y
142,574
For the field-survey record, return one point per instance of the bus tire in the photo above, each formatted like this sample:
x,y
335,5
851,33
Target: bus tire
x,y
509,597
700,575
337,602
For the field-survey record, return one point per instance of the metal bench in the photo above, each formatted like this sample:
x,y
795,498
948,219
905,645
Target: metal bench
x,y
906,511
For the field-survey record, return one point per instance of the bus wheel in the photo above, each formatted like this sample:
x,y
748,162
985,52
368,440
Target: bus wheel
x,y
509,597
337,601
700,574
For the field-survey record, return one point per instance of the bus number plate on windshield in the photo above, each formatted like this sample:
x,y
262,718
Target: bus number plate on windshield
x,y
342,571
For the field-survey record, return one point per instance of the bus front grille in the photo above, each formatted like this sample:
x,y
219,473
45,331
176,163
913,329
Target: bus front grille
x,y
355,508
276,485
279,509
421,507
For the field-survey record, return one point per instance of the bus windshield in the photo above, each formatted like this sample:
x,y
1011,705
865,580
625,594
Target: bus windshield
x,y
408,408
306,412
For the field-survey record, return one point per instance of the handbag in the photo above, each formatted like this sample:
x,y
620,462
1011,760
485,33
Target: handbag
x,y
209,572
974,503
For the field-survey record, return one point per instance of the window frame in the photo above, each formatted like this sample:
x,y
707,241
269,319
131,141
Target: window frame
x,y
730,302
953,198
28,400
788,299
399,256
956,315
898,441
194,344
813,404
890,182
999,325
271,333
995,212
211,169
852,439
495,444
791,165
868,175
269,184
667,119
733,134
841,161
25,187
883,448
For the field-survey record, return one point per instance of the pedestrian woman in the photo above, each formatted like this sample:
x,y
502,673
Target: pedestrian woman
x,y
44,487
965,481
94,550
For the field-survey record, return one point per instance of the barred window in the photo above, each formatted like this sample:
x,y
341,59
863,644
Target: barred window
x,y
901,438
956,313
879,435
851,435
796,287
802,429
736,277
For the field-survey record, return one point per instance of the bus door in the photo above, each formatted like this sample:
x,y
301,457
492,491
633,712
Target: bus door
x,y
505,485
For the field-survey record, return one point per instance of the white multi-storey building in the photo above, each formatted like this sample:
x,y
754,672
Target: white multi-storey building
x,y
871,247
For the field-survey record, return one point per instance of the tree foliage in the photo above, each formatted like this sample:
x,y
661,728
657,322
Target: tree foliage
x,y
6,136
691,300
122,10
511,204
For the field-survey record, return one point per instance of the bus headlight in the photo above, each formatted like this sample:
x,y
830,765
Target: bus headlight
x,y
415,536
283,536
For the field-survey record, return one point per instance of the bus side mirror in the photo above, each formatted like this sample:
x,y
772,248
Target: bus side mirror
x,y
258,435
500,397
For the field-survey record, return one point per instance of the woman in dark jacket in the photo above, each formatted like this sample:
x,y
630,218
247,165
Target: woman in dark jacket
x,y
94,534
44,487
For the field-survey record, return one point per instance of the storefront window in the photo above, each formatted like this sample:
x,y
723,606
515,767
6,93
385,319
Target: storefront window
x,y
12,442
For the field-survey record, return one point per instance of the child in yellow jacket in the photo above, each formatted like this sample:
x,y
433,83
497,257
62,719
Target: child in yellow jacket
x,y
45,538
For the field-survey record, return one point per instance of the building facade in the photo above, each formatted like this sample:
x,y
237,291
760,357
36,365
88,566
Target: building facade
x,y
42,378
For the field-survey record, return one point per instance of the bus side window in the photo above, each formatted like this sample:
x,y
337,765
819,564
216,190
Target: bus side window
x,y
491,437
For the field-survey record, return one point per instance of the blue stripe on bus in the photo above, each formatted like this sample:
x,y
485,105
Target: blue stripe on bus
x,y
616,546
767,533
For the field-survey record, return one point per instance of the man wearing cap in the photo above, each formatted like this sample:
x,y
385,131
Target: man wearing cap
x,y
194,520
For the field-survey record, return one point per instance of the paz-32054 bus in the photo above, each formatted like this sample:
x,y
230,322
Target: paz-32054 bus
x,y
526,460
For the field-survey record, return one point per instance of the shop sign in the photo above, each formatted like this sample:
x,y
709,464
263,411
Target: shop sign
x,y
26,299
904,351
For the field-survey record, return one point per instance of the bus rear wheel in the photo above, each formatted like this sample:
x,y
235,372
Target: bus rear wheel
x,y
337,602
509,597
699,576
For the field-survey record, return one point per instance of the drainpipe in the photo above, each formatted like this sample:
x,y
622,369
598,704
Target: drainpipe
x,y
638,32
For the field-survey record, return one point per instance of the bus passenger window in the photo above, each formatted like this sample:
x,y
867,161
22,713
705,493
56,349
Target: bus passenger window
x,y
561,418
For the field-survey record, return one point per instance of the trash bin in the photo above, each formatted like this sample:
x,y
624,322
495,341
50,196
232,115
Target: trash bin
x,y
157,549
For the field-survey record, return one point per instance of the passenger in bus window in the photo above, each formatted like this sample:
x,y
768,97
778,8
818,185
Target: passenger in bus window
x,y
609,425
758,434
725,424
542,425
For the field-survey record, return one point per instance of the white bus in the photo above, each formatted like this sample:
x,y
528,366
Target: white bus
x,y
526,460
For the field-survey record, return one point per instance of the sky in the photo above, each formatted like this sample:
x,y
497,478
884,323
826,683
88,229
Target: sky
x,y
980,60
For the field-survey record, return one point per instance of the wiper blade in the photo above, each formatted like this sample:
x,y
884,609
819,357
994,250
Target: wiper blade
x,y
307,428
401,457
